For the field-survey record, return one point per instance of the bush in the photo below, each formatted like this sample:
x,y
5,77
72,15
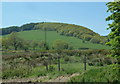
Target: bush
x,y
66,59
108,61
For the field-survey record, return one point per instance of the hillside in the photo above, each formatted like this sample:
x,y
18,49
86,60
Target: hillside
x,y
38,35
62,29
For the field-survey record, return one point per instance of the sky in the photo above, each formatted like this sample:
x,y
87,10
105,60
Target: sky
x,y
88,14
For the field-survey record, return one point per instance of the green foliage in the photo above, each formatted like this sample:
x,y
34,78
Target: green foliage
x,y
25,45
5,43
29,26
114,8
9,30
43,46
60,44
15,40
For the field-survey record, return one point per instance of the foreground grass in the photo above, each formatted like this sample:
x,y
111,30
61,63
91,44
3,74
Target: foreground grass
x,y
103,74
26,72
66,69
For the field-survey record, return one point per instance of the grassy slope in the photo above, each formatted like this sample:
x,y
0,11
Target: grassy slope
x,y
38,35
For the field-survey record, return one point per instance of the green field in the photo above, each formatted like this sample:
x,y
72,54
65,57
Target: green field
x,y
39,35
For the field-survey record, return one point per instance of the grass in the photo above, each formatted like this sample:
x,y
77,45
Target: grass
x,y
66,69
38,35
103,74
24,71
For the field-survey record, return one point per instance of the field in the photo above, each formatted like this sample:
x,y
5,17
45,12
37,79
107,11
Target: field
x,y
38,35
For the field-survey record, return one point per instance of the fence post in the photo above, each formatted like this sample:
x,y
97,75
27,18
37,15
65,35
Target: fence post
x,y
85,62
58,63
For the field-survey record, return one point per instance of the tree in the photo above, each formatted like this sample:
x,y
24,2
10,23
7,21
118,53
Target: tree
x,y
15,40
5,43
43,45
10,29
60,44
29,26
114,35
25,45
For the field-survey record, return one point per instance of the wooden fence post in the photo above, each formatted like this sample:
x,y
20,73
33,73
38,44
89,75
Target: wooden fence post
x,y
85,62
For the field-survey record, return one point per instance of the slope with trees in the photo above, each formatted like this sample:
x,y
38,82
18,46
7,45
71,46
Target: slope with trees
x,y
73,30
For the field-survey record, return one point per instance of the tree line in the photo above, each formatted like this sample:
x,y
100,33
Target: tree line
x,y
25,27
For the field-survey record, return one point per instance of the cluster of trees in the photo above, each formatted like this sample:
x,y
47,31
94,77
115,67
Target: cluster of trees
x,y
11,29
13,41
62,28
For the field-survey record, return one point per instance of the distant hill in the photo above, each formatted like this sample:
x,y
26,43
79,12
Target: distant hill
x,y
72,30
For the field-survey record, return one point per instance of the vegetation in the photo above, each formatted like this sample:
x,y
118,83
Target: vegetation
x,y
11,29
34,50
60,44
114,8
33,64
77,31
52,36
104,74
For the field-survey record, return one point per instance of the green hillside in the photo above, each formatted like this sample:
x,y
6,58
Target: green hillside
x,y
38,35
62,28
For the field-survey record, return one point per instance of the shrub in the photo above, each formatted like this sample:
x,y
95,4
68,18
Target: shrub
x,y
66,59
